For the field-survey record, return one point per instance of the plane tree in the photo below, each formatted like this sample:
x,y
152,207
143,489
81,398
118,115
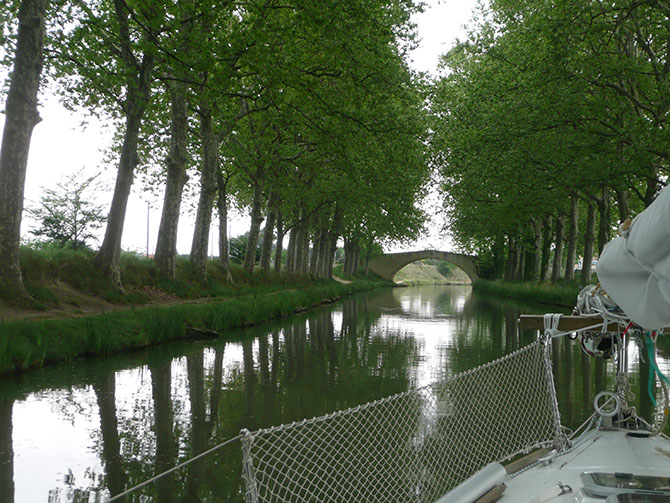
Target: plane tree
x,y
530,116
21,116
105,57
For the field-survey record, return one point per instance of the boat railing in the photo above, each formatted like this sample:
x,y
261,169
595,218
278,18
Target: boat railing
x,y
414,446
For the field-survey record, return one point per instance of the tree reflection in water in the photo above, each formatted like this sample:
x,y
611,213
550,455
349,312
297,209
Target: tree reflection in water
x,y
105,392
166,447
6,450
161,407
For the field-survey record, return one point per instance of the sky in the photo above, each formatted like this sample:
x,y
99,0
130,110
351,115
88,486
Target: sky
x,y
60,146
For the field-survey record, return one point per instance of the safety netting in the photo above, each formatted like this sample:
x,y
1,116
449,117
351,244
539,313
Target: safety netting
x,y
413,446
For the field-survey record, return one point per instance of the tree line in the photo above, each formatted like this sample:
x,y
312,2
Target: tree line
x,y
303,113
550,127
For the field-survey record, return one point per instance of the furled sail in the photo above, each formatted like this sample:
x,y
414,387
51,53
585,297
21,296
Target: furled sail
x,y
634,268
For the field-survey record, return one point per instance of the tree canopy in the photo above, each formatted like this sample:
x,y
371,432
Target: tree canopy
x,y
551,102
304,114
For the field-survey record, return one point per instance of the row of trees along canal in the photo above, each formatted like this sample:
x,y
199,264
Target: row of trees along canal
x,y
551,125
303,113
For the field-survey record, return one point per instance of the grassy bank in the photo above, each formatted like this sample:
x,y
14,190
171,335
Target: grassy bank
x,y
26,344
46,271
545,293
77,312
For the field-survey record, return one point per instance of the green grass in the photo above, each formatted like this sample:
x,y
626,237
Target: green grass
x,y
36,343
562,294
42,268
76,268
250,299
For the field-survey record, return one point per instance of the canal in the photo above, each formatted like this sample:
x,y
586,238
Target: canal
x,y
77,432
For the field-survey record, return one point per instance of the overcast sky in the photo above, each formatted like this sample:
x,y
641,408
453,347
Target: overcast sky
x,y
60,145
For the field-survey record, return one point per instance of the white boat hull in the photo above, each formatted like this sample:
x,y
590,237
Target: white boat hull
x,y
613,451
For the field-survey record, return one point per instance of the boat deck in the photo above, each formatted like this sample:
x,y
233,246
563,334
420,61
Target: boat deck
x,y
608,451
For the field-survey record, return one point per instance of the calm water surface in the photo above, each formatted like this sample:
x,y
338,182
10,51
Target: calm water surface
x,y
78,432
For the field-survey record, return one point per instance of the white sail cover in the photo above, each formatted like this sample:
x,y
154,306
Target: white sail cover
x,y
635,270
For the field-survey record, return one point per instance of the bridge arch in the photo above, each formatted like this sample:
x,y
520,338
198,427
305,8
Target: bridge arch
x,y
389,264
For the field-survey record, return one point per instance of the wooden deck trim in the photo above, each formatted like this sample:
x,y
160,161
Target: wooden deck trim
x,y
567,323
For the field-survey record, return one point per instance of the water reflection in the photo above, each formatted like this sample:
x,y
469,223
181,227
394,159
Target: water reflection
x,y
80,431
166,447
6,451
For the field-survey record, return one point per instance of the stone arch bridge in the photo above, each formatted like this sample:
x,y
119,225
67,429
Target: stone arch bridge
x,y
389,264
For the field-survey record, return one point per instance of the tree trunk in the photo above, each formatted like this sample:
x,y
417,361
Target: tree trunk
x,y
520,259
109,255
589,238
528,261
6,450
333,236
348,257
558,250
511,258
166,245
536,252
319,250
622,205
603,220
303,244
572,238
356,260
255,227
290,252
21,116
222,207
280,241
332,251
298,261
351,256
546,248
138,96
268,233
324,254
498,251
209,169
650,191
314,258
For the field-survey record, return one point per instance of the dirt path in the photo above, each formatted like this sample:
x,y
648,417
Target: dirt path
x,y
74,304
340,280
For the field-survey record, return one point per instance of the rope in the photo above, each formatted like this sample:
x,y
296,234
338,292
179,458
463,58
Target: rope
x,y
595,301
650,338
552,320
173,469
590,328
653,366
592,423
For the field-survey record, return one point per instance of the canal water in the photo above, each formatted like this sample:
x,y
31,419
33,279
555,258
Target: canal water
x,y
80,431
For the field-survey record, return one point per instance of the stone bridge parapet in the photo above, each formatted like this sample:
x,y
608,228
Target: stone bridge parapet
x,y
389,264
